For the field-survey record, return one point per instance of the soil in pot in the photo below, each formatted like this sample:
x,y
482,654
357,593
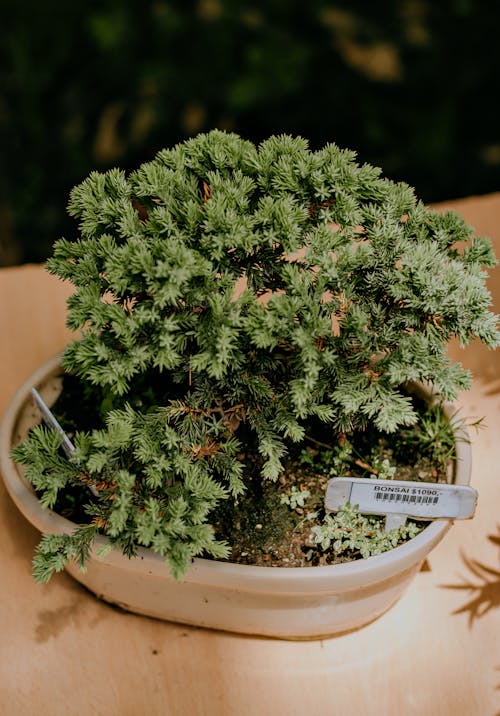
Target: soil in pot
x,y
272,523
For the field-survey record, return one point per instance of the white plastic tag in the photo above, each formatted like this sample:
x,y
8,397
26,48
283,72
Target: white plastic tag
x,y
51,422
422,500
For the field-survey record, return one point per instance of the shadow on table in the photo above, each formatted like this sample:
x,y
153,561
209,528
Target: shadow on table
x,y
483,587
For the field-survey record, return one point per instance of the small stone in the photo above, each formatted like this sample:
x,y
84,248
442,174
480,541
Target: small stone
x,y
258,526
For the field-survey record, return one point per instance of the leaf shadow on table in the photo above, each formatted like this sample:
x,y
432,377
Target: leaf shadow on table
x,y
482,586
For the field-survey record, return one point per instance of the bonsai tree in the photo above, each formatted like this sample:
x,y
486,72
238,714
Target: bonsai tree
x,y
230,299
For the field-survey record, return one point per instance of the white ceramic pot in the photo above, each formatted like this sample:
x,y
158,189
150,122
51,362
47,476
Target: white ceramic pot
x,y
289,603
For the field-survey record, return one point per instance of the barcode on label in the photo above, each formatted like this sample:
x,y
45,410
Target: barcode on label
x,y
410,499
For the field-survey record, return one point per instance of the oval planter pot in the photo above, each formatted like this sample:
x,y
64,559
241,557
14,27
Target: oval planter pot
x,y
289,603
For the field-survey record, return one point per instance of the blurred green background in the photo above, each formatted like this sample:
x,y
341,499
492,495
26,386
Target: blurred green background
x,y
411,85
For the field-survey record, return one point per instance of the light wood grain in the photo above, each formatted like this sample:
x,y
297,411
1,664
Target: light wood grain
x,y
62,652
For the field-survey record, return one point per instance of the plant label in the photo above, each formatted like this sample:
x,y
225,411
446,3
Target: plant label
x,y
51,422
421,500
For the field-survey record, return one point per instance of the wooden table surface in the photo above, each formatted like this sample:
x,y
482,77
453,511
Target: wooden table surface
x,y
437,652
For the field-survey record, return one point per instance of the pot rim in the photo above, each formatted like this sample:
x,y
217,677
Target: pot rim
x,y
291,579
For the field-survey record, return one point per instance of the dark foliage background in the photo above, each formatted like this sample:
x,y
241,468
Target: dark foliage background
x,y
411,85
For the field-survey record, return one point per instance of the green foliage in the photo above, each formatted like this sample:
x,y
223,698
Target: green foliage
x,y
54,551
436,435
386,471
46,469
228,294
350,534
296,498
